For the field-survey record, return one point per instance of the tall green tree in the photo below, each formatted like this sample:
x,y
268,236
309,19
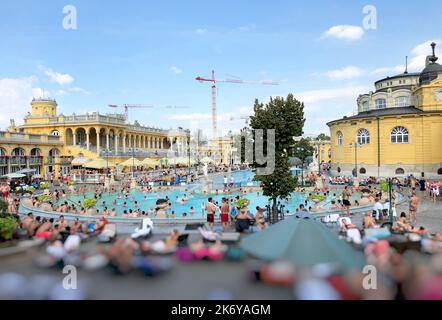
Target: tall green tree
x,y
303,149
323,137
286,117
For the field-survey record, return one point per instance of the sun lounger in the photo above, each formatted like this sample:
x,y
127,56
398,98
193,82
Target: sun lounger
x,y
208,235
145,231
108,234
230,237
331,219
354,235
341,225
381,233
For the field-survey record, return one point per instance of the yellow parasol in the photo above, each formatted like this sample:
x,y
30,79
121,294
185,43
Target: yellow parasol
x,y
132,162
97,164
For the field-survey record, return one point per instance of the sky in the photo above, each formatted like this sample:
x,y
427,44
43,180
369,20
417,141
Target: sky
x,y
325,52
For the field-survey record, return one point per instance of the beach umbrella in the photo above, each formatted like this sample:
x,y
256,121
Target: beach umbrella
x,y
132,162
26,171
150,163
14,175
79,161
97,164
181,161
207,160
303,242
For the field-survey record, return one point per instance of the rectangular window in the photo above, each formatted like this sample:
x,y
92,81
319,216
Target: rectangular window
x,y
402,102
381,104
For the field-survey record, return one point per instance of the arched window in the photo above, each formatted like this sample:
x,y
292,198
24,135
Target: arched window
x,y
399,135
36,152
55,133
381,104
2,152
400,171
362,171
439,172
340,138
363,137
403,101
18,152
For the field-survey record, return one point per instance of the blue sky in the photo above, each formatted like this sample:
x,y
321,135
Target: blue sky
x,y
149,52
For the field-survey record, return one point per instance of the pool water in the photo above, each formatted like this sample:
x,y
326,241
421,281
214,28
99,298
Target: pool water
x,y
148,201
196,200
241,179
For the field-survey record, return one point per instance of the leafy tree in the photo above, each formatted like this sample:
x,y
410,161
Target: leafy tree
x,y
323,137
302,150
286,117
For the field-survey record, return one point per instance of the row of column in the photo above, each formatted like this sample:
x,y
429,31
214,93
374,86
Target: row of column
x,y
180,144
150,143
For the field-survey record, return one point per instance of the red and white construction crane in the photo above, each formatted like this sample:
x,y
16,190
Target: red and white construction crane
x,y
126,108
214,81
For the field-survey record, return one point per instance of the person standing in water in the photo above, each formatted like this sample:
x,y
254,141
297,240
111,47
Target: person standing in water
x,y
211,210
346,194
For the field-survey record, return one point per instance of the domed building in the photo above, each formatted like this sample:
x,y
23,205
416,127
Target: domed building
x,y
397,130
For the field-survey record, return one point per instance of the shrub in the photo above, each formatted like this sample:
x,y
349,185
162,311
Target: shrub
x,y
384,185
7,227
242,203
44,185
89,203
319,197
3,206
44,198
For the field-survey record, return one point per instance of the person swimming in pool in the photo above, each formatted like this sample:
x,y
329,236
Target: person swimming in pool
x,y
191,211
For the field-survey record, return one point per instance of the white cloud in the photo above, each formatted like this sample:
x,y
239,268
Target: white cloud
x,y
200,31
176,70
247,28
57,77
15,97
344,32
345,73
315,96
65,92
416,61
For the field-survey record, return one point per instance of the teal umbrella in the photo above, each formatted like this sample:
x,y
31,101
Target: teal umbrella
x,y
303,242
26,171
14,175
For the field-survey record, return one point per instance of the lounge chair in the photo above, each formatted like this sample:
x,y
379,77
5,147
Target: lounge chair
x,y
331,219
354,235
108,234
208,235
381,233
145,231
341,225
211,236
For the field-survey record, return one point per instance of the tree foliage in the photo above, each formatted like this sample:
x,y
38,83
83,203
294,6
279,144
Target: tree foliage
x,y
286,117
303,149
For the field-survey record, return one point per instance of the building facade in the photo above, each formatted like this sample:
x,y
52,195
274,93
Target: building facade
x,y
49,142
397,130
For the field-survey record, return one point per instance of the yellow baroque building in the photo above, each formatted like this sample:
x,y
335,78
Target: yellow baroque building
x,y
397,130
50,143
